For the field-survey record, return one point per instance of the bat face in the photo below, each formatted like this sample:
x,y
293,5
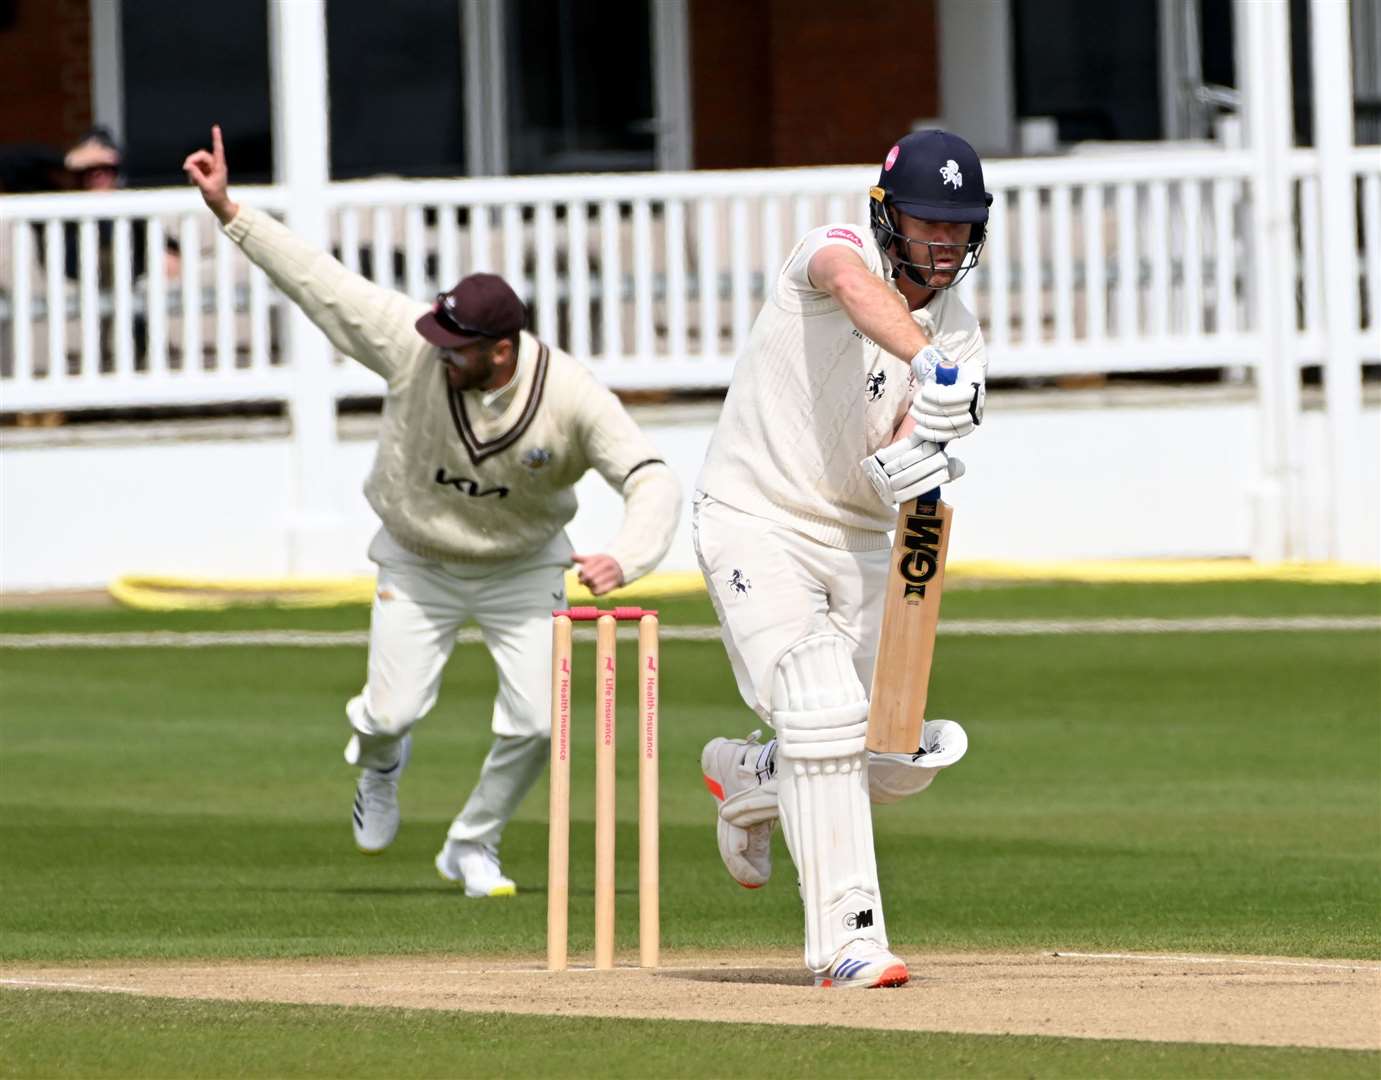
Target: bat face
x,y
919,550
910,616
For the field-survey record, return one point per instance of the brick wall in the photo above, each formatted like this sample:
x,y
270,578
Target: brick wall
x,y
731,85
45,71
808,82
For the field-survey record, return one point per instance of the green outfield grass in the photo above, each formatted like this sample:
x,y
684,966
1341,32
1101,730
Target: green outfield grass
x,y
1171,792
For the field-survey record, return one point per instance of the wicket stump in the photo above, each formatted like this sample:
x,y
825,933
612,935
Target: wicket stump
x,y
558,843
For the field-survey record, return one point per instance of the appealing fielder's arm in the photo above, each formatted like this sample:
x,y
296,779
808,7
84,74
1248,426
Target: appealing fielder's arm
x,y
361,319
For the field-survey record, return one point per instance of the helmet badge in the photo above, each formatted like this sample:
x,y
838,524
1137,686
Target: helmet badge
x,y
950,174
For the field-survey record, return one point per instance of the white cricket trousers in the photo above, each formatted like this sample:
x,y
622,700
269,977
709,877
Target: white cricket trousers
x,y
772,586
419,605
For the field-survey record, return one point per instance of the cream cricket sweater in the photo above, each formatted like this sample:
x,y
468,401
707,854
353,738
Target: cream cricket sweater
x,y
811,397
452,480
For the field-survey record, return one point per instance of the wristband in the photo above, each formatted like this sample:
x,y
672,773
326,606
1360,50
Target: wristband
x,y
926,361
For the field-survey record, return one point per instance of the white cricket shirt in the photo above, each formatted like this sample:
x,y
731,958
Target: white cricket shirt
x,y
811,397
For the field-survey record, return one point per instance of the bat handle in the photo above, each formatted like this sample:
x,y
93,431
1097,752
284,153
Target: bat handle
x,y
946,374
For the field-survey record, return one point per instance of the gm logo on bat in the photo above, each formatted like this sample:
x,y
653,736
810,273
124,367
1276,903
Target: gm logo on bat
x,y
920,550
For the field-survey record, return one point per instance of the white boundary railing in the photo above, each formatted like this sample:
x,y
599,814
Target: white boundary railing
x,y
1111,263
69,293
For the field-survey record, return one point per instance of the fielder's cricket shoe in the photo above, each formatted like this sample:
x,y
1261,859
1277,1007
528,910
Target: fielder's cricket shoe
x,y
476,866
742,776
375,814
864,965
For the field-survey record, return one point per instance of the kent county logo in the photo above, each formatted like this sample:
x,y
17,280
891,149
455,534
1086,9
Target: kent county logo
x,y
536,457
877,380
950,174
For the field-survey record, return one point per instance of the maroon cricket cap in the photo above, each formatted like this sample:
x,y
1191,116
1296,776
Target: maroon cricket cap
x,y
481,306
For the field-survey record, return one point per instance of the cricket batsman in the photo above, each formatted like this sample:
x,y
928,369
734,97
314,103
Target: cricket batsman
x,y
829,423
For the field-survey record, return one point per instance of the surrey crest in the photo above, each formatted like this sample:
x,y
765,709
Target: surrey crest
x,y
535,458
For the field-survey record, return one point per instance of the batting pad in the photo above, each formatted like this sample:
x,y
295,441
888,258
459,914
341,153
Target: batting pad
x,y
820,711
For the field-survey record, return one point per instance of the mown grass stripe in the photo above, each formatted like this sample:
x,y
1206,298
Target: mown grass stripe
x,y
1225,624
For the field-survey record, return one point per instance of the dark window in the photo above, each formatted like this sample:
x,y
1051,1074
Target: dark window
x,y
1092,65
1216,57
396,82
184,71
580,86
1302,68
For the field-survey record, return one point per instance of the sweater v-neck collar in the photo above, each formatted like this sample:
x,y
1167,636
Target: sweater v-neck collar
x,y
479,449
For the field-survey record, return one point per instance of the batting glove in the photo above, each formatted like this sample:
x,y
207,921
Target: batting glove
x,y
909,468
943,413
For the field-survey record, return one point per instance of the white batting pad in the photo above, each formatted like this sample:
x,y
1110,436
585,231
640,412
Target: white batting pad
x,y
896,776
820,711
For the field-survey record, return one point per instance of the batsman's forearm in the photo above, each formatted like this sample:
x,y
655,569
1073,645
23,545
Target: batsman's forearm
x,y
878,312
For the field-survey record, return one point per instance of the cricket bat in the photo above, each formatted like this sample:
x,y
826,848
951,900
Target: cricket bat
x,y
910,616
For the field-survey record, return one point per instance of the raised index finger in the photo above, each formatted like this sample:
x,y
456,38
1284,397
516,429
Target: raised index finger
x,y
217,146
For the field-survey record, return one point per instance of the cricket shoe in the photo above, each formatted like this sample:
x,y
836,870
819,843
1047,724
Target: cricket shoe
x,y
375,814
476,866
742,776
865,965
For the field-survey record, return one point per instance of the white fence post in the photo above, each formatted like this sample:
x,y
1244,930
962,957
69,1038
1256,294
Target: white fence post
x,y
1329,42
1263,64
297,35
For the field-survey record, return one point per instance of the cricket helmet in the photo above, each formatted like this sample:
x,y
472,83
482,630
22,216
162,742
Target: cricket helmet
x,y
935,176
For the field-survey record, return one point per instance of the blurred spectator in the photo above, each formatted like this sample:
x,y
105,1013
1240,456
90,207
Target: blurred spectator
x,y
94,164
95,161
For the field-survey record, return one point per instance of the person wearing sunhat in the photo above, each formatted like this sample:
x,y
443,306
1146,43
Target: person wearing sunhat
x,y
95,162
485,431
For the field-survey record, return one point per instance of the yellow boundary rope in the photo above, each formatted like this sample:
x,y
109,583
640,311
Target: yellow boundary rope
x,y
155,592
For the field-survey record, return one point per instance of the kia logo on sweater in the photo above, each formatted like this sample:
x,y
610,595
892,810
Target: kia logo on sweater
x,y
466,486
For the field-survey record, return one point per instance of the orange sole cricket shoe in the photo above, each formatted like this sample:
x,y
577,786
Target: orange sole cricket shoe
x,y
740,777
864,966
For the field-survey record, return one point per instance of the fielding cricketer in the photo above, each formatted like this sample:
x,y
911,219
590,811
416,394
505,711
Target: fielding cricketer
x,y
485,432
830,422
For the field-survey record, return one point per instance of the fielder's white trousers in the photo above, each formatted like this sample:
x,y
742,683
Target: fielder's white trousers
x,y
419,605
772,587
